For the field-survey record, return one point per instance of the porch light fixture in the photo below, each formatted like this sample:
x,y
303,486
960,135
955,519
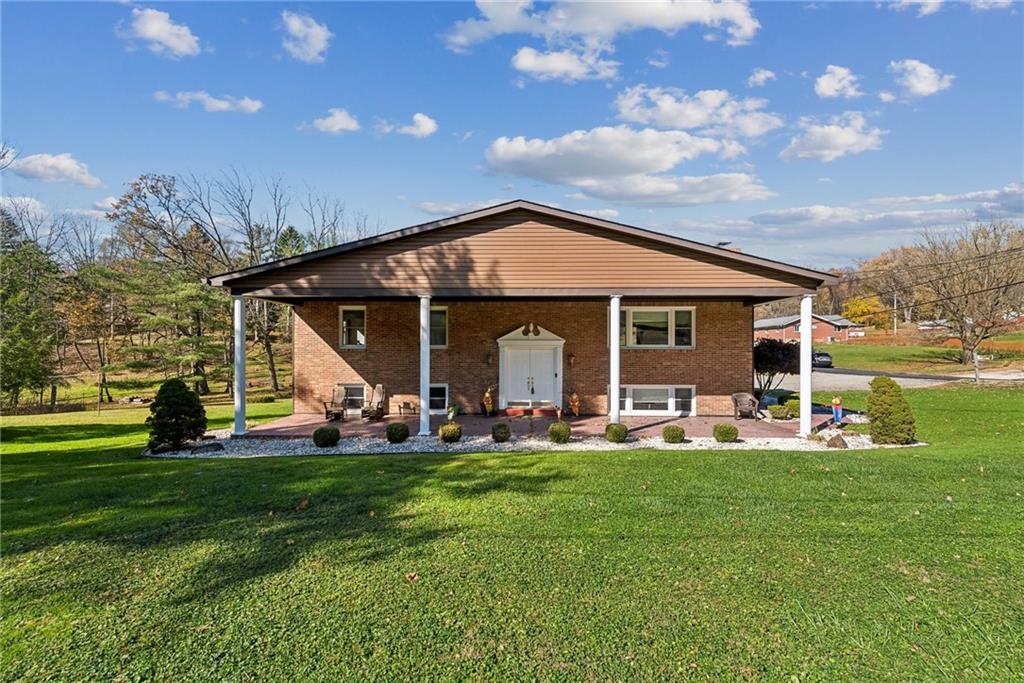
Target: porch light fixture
x,y
489,358
572,359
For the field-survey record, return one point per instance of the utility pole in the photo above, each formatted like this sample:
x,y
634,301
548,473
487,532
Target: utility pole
x,y
894,313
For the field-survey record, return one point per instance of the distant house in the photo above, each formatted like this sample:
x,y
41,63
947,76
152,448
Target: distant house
x,y
824,329
933,326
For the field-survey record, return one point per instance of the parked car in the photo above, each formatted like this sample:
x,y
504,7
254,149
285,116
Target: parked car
x,y
820,359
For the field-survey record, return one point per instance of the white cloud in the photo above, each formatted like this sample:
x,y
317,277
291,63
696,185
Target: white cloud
x,y
924,7
622,164
606,214
105,204
887,96
422,126
845,134
53,168
453,208
595,23
337,121
659,60
713,111
162,36
22,205
983,5
919,79
760,76
181,100
306,39
1009,198
564,65
837,81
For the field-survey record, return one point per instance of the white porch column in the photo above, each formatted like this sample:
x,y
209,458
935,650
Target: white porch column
x,y
424,365
613,358
806,342
238,311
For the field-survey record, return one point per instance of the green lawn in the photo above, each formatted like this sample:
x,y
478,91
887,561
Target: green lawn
x,y
892,564
938,360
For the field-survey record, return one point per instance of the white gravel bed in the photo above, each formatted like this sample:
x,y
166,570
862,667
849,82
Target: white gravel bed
x,y
360,445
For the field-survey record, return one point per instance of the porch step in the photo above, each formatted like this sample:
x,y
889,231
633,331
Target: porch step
x,y
528,412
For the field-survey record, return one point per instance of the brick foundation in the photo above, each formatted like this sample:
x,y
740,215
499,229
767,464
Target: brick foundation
x,y
720,365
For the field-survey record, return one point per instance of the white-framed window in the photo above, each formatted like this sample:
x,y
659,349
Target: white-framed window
x,y
650,399
438,403
352,327
438,327
355,398
657,327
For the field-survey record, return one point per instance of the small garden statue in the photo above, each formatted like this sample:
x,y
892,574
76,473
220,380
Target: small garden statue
x,y
837,409
453,410
488,402
574,404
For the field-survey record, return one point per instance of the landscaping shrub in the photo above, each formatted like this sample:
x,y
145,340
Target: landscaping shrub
x,y
615,432
268,398
559,432
326,437
725,432
892,421
450,432
779,412
793,405
176,416
501,432
397,432
673,434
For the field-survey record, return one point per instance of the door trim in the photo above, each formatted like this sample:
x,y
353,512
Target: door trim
x,y
535,338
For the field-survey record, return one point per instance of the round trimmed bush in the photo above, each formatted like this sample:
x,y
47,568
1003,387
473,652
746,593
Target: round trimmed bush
x,y
793,406
176,416
450,432
559,432
501,432
725,432
396,432
892,421
779,412
673,434
616,432
326,437
268,398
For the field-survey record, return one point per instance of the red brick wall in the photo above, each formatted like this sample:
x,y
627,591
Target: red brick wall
x,y
820,332
720,365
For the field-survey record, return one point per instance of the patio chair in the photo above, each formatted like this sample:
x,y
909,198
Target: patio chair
x,y
745,404
406,408
374,408
335,408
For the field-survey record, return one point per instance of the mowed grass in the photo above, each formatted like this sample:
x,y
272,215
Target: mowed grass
x,y
938,360
882,565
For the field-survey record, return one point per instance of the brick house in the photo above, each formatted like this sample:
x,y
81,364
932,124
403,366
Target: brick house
x,y
535,302
825,329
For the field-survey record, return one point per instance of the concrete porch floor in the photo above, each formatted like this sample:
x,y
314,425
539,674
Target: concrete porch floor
x,y
303,424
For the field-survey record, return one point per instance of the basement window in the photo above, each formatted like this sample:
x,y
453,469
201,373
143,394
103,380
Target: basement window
x,y
646,399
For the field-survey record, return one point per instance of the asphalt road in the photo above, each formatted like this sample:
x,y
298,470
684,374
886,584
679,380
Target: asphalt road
x,y
844,379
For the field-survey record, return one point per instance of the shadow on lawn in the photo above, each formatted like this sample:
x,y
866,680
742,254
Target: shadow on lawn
x,y
246,518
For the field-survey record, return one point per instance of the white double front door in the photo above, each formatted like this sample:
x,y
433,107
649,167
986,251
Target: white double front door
x,y
531,376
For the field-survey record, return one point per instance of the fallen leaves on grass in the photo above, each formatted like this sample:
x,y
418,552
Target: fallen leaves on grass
x,y
302,504
411,577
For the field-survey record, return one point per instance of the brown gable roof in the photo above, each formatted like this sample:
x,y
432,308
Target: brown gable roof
x,y
226,279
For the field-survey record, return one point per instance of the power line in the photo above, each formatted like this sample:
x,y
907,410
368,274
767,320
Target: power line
x,y
950,298
859,275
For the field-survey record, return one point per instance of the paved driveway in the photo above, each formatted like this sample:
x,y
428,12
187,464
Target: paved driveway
x,y
838,380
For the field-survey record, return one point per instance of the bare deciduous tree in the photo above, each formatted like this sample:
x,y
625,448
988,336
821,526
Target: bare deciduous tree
x,y
976,279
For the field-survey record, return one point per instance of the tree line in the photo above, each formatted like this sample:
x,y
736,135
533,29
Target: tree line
x,y
130,297
971,279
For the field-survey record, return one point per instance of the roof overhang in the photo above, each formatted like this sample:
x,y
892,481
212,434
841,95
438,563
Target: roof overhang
x,y
226,279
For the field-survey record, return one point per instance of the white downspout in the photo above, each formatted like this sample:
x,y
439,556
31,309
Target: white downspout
x,y
806,344
613,358
424,365
238,315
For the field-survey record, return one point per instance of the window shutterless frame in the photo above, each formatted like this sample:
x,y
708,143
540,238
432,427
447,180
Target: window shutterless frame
x,y
628,334
671,401
439,309
433,397
342,328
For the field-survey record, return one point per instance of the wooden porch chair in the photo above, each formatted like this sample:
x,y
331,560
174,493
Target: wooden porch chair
x,y
745,404
335,408
374,408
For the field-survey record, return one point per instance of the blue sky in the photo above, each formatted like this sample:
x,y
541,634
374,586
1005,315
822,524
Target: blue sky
x,y
868,122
